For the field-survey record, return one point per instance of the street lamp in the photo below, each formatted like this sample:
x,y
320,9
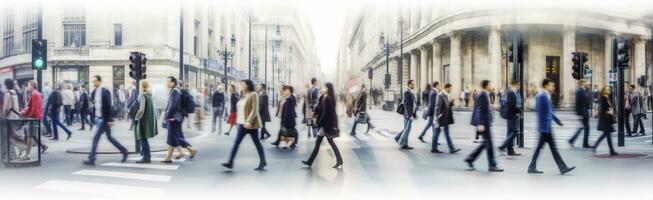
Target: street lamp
x,y
227,54
275,47
387,48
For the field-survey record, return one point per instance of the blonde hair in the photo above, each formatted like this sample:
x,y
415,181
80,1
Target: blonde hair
x,y
605,91
145,86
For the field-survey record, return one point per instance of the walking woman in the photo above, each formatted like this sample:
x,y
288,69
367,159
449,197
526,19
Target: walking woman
x,y
145,125
606,119
287,114
233,101
174,117
249,122
327,122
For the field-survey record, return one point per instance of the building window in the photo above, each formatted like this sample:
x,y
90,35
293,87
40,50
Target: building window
x,y
28,36
117,34
74,35
195,38
8,45
8,33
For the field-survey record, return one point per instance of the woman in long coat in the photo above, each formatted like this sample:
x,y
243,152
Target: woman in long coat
x,y
145,125
606,119
327,121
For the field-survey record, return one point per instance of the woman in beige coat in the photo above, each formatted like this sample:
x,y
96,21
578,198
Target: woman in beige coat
x,y
249,122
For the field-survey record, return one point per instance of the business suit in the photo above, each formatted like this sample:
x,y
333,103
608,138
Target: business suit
x,y
264,113
513,102
545,116
410,113
444,118
429,113
582,110
102,124
54,109
312,101
606,119
218,104
361,109
482,116
83,108
637,110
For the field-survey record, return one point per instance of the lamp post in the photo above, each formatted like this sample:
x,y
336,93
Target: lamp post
x,y
275,58
401,57
386,47
227,54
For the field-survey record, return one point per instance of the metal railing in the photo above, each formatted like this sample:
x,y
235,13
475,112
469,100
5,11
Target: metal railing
x,y
17,137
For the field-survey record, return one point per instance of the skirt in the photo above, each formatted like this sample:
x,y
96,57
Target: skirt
x,y
231,119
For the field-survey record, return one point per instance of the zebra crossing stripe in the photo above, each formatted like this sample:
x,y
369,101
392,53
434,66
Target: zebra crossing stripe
x,y
125,175
141,166
110,190
157,159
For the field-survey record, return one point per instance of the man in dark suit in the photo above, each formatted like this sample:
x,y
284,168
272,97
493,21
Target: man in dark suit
x,y
264,110
582,110
104,120
430,110
218,104
360,109
83,106
482,118
410,114
312,99
512,115
443,117
545,115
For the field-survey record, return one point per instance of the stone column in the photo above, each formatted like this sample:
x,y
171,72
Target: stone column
x,y
639,66
413,66
455,65
608,55
423,66
437,61
494,53
568,84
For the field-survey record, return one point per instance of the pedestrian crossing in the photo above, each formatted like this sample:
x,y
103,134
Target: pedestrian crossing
x,y
86,181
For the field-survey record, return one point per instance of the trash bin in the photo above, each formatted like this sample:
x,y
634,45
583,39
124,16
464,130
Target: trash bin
x,y
17,137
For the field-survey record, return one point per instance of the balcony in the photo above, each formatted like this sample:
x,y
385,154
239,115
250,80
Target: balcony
x,y
83,51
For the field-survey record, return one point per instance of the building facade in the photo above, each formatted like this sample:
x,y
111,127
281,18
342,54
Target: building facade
x,y
462,43
96,38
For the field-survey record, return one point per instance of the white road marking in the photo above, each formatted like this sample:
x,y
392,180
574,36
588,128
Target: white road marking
x,y
142,166
157,159
125,175
112,190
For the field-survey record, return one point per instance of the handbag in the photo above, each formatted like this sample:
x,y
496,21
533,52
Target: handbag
x,y
401,108
361,117
332,132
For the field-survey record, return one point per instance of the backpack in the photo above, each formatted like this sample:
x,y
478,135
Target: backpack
x,y
187,102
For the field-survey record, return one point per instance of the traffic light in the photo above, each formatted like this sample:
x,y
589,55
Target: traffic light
x,y
641,81
135,65
39,54
576,60
143,67
623,52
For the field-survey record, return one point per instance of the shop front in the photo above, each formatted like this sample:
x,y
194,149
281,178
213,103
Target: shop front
x,y
71,74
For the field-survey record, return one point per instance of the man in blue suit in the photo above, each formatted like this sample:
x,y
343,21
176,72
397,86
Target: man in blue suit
x,y
583,110
430,110
410,113
545,116
512,115
482,118
102,109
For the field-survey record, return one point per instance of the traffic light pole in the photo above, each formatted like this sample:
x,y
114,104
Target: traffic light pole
x,y
619,96
519,75
39,33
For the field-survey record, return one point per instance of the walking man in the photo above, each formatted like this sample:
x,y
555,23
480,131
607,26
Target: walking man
x,y
512,113
312,96
583,111
410,114
545,115
430,110
360,111
264,109
443,118
482,118
104,121
637,110
218,104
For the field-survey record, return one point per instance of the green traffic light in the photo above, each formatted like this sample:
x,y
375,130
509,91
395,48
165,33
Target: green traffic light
x,y
38,63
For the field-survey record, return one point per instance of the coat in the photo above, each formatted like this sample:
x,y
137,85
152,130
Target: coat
x,y
34,107
482,114
288,114
410,105
173,109
105,111
544,112
361,102
327,117
145,119
234,102
582,101
605,120
431,104
251,110
514,107
636,105
443,112
264,108
54,102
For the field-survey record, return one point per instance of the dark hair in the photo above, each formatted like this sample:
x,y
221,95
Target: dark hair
x,y
173,79
410,82
264,86
546,82
330,92
250,85
98,78
485,83
515,82
632,86
9,83
447,85
313,80
288,87
428,86
435,84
